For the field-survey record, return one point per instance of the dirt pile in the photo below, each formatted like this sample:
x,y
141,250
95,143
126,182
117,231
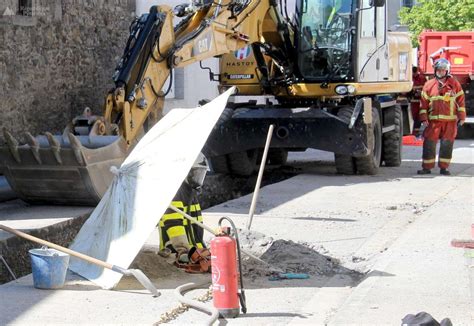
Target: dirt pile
x,y
294,257
254,242
285,256
153,265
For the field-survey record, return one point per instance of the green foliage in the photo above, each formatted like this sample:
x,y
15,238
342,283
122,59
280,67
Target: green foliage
x,y
440,15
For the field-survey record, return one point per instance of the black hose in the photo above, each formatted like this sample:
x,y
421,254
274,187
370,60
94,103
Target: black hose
x,y
171,78
242,293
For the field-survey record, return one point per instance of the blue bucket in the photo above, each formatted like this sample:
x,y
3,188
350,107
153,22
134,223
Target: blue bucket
x,y
49,268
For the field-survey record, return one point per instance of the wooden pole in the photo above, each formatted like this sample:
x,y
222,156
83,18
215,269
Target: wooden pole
x,y
259,178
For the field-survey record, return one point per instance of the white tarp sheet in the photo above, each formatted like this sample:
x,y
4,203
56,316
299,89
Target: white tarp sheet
x,y
143,188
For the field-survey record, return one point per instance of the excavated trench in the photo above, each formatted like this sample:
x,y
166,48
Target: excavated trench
x,y
276,256
217,189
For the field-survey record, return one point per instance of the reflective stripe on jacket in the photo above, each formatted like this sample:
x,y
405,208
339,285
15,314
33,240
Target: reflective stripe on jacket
x,y
177,232
442,101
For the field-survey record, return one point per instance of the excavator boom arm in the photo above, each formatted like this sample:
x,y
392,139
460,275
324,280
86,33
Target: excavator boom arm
x,y
211,31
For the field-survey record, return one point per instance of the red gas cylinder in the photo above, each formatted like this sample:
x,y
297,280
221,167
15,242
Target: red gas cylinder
x,y
225,276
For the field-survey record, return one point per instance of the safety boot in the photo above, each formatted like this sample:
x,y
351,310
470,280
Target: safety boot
x,y
444,172
424,171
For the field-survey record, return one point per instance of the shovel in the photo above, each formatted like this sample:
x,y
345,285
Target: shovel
x,y
138,274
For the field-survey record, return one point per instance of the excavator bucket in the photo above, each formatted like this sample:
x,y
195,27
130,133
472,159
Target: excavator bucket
x,y
61,169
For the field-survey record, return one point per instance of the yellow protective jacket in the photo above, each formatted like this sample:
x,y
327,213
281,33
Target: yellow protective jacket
x,y
176,232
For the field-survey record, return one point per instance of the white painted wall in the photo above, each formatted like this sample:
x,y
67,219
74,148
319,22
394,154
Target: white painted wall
x,y
191,83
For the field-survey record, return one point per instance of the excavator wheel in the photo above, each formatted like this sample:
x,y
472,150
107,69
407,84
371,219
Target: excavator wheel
x,y
219,164
369,164
392,140
243,163
345,164
237,163
277,156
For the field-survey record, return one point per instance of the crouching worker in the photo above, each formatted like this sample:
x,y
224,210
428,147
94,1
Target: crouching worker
x,y
179,237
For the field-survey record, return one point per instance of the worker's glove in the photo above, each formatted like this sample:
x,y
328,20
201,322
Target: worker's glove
x,y
425,123
460,123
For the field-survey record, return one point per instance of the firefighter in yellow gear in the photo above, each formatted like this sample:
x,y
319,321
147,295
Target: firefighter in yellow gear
x,y
177,234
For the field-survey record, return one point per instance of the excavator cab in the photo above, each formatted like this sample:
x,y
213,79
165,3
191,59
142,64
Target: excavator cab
x,y
325,39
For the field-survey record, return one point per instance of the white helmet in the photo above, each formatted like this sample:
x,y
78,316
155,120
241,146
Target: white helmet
x,y
197,174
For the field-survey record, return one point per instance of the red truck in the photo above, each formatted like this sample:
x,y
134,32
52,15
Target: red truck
x,y
458,48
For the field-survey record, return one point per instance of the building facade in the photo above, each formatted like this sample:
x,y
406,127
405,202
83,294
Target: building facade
x,y
393,8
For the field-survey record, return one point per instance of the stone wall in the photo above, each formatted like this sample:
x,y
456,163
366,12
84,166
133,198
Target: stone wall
x,y
58,60
15,249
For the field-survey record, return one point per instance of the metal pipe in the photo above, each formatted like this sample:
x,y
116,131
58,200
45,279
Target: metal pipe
x,y
260,175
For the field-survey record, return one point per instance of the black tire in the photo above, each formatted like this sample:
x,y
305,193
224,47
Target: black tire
x,y
225,116
345,164
243,163
392,140
219,164
370,163
277,156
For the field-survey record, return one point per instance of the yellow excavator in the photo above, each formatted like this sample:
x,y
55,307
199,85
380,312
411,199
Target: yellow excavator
x,y
327,73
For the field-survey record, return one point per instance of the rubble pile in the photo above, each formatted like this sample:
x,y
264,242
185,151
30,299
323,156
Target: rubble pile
x,y
283,256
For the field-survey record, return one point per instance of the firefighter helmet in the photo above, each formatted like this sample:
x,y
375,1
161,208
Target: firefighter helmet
x,y
442,64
